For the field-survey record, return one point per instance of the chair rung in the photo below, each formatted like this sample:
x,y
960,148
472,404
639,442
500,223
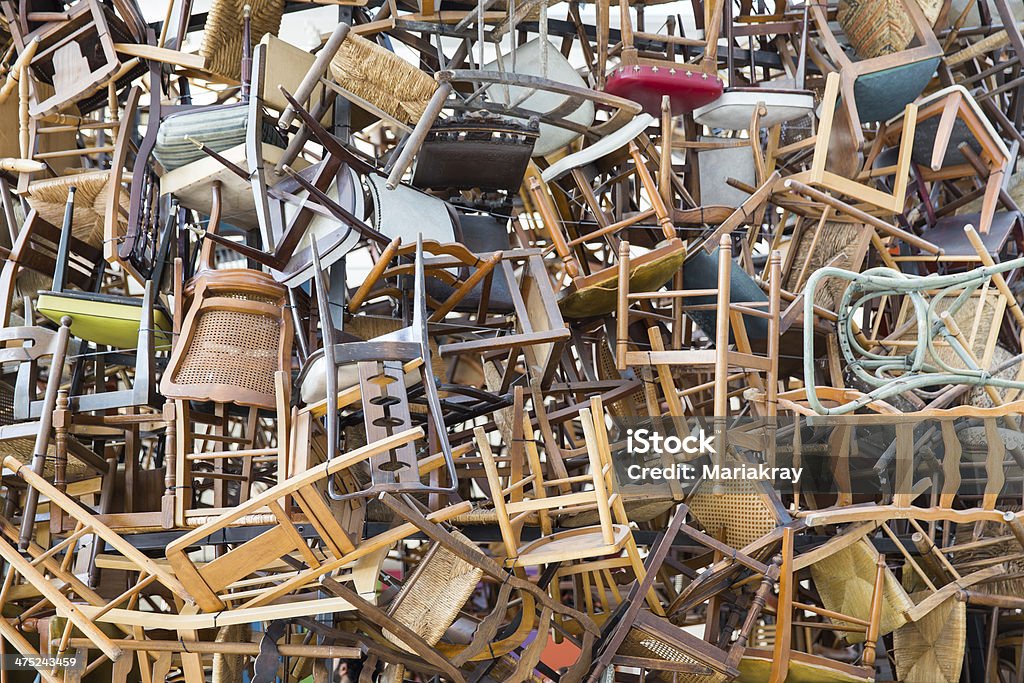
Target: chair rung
x,y
219,455
220,475
568,480
518,485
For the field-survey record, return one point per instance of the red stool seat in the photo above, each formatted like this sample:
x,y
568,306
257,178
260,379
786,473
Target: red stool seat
x,y
647,84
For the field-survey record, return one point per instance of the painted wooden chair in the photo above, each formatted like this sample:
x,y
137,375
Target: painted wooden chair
x,y
377,373
29,439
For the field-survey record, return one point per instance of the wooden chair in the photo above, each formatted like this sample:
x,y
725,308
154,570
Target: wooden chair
x,y
232,344
31,440
635,638
946,120
592,288
217,583
835,165
890,71
75,56
611,537
106,320
242,144
783,662
733,322
534,81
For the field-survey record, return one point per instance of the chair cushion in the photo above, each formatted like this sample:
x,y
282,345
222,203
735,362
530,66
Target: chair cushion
x,y
392,209
948,233
646,85
732,111
480,234
883,94
701,272
105,320
219,128
875,27
718,164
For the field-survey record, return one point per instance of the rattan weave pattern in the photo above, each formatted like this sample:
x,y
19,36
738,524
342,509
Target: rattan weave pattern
x,y
639,643
738,516
233,348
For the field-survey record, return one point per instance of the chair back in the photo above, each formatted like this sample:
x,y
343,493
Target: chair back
x,y
515,504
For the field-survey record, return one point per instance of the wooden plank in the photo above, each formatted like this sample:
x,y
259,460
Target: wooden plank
x,y
60,602
154,620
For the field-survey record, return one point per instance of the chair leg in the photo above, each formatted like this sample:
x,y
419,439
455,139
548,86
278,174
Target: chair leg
x,y
640,572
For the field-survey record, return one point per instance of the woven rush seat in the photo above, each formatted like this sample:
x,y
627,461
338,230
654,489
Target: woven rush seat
x,y
76,468
382,78
49,198
931,649
433,595
845,582
222,34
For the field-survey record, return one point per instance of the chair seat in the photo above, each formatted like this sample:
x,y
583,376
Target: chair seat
x,y
191,184
952,153
948,233
733,110
481,235
881,95
572,544
756,666
646,85
596,294
333,239
701,272
599,149
18,440
92,190
104,320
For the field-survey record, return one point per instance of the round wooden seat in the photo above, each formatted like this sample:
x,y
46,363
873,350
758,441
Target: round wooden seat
x,y
572,544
